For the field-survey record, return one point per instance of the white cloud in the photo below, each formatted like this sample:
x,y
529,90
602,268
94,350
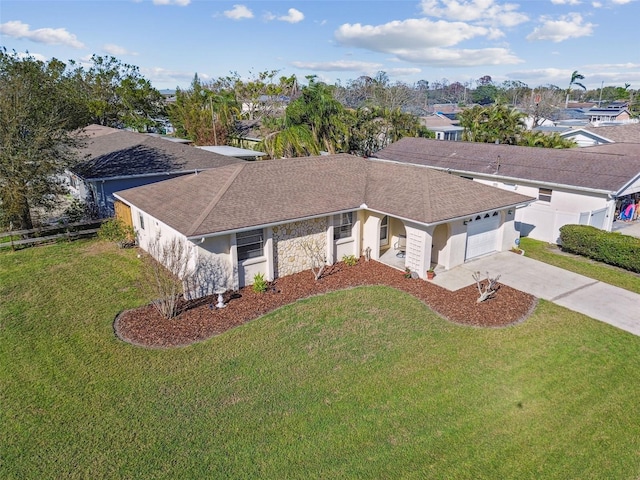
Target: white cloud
x,y
446,57
292,16
425,42
180,3
366,68
159,75
238,12
622,2
612,66
566,2
566,27
479,11
610,74
338,66
402,72
49,36
596,4
407,34
116,50
544,76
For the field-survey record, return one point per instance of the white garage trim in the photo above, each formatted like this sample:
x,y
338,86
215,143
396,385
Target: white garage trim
x,y
482,235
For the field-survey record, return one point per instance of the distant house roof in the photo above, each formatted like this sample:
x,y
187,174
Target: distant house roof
x,y
230,151
254,194
551,129
111,153
186,141
249,129
574,167
437,120
613,110
627,132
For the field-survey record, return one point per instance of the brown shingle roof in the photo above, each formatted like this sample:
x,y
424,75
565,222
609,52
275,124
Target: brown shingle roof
x,y
575,167
253,194
429,196
118,153
628,132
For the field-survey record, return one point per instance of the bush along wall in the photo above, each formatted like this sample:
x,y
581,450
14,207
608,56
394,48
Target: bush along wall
x,y
608,247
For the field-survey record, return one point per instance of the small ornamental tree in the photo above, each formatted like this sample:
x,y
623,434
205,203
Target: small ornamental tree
x,y
315,251
165,271
487,291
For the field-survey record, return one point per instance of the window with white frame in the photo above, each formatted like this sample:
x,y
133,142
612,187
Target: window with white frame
x,y
250,244
544,194
342,224
141,220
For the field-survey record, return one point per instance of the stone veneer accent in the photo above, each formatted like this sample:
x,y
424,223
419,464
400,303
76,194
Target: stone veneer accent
x,y
288,255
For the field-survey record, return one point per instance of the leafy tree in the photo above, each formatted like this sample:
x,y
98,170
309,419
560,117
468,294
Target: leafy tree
x,y
322,114
203,115
544,140
503,124
38,116
293,141
514,92
374,129
496,123
485,94
117,95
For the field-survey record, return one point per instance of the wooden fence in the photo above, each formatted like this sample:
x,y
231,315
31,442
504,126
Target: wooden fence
x,y
35,236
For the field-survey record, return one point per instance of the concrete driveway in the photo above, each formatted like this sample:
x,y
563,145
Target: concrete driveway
x,y
612,305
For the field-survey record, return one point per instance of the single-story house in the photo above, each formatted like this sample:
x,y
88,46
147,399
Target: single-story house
x,y
114,159
265,217
572,186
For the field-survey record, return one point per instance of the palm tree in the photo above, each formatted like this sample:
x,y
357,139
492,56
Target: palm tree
x,y
575,76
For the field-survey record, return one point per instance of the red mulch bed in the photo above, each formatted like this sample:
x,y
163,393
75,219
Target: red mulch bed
x,y
200,319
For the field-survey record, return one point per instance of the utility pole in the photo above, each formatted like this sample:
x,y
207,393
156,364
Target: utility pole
x,y
600,99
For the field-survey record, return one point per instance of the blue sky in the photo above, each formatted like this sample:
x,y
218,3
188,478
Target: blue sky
x,y
538,42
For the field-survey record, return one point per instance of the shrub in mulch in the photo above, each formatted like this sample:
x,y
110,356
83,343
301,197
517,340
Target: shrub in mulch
x,y
200,319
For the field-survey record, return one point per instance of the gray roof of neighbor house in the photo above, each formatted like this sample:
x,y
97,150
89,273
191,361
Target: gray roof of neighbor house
x,y
582,168
627,132
261,193
111,153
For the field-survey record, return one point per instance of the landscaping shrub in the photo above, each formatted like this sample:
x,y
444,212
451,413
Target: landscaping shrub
x,y
260,285
608,247
350,260
115,230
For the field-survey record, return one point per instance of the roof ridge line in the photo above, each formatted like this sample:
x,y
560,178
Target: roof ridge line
x,y
198,221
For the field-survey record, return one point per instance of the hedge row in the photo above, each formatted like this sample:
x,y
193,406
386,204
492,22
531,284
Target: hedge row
x,y
609,247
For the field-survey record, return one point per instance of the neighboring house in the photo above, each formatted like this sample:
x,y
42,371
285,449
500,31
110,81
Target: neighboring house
x,y
617,112
573,186
443,127
263,217
589,136
117,159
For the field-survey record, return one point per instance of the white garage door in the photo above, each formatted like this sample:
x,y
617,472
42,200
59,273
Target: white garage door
x,y
482,236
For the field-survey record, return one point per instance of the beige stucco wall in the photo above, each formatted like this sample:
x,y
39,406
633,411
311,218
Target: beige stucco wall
x,y
289,256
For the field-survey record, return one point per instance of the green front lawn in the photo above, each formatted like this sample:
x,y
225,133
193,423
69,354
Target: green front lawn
x,y
364,383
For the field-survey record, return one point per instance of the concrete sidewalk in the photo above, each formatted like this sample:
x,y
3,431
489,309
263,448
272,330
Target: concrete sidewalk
x,y
612,305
